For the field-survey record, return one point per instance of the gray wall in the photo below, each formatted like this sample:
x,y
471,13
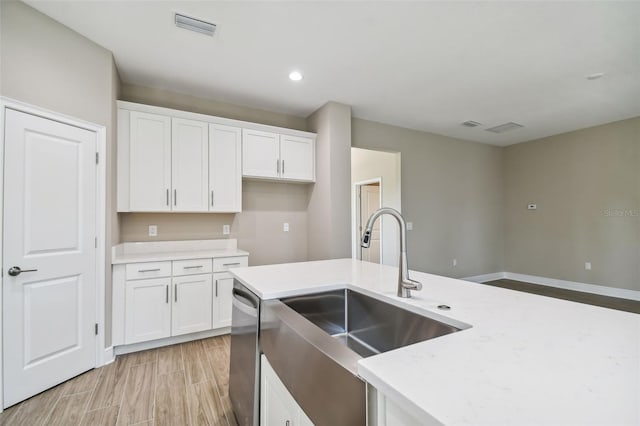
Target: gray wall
x,y
587,187
452,191
329,201
46,64
266,206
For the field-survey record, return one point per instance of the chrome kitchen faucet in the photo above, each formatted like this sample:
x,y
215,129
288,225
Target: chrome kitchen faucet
x,y
405,284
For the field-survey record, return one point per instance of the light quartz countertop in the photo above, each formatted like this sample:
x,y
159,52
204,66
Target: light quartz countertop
x,y
526,359
157,251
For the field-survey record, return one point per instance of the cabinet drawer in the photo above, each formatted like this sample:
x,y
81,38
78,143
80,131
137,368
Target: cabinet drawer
x,y
136,271
191,266
226,263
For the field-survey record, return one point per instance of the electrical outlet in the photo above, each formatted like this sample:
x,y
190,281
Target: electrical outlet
x,y
285,227
153,230
455,262
532,207
226,229
409,226
587,266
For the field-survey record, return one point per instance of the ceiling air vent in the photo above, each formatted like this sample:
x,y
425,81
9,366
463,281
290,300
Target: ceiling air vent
x,y
506,127
471,123
193,24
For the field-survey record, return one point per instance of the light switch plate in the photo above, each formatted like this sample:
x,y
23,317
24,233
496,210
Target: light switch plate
x,y
226,229
409,226
285,227
153,230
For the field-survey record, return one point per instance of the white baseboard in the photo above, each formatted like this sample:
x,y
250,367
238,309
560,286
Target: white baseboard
x,y
485,278
136,347
552,282
572,285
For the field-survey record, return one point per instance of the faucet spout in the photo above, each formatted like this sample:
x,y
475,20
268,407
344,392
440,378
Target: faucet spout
x,y
405,284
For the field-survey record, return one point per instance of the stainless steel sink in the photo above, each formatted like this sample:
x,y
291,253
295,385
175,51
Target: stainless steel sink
x,y
314,343
364,324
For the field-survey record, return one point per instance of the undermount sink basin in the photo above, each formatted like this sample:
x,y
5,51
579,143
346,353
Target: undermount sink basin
x,y
366,325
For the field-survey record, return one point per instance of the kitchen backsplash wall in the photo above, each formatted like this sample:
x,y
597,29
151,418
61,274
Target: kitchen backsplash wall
x,y
258,228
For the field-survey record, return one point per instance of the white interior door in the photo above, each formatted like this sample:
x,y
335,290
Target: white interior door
x,y
369,203
49,309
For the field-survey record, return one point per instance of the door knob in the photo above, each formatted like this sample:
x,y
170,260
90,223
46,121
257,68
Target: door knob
x,y
14,271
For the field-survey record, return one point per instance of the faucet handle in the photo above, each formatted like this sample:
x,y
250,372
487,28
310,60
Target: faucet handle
x,y
412,284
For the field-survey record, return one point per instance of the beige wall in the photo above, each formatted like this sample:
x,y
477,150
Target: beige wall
x,y
581,182
167,99
452,191
367,164
46,64
329,230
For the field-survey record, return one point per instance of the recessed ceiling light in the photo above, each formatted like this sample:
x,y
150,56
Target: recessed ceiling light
x,y
193,24
295,76
595,76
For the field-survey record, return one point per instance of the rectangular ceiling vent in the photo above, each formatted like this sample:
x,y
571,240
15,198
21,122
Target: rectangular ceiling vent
x,y
193,24
471,123
506,127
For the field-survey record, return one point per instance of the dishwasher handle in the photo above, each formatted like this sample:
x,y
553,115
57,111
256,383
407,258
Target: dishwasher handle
x,y
245,297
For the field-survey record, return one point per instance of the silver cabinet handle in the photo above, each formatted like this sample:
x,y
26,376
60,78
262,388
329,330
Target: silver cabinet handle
x,y
212,197
175,292
175,197
166,295
193,267
14,271
230,264
216,288
278,166
282,166
167,196
147,270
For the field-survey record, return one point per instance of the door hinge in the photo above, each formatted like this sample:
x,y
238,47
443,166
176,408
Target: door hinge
x,y
97,157
96,328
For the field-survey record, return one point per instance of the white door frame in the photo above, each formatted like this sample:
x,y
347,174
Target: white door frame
x,y
355,217
101,190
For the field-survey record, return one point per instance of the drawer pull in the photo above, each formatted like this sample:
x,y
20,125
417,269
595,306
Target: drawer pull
x,y
230,264
149,270
166,295
193,267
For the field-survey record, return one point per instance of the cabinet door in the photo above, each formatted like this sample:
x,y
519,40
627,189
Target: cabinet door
x,y
189,165
297,158
277,406
222,299
260,154
149,162
147,310
191,304
225,169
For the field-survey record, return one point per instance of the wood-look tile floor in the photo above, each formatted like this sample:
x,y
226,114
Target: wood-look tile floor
x,y
572,295
185,384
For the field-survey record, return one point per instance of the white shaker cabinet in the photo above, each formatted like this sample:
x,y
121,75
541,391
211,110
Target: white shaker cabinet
x,y
278,157
148,313
225,169
222,299
277,405
149,162
260,154
192,308
189,165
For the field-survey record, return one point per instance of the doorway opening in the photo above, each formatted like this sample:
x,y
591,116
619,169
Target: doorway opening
x,y
375,183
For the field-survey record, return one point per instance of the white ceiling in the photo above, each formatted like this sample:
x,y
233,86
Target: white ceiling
x,y
422,65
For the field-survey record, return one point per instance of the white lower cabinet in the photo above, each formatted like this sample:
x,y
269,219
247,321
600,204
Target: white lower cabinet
x,y
148,313
192,307
222,299
385,412
277,406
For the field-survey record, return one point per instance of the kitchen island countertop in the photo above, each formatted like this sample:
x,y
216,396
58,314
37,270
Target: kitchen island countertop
x,y
526,359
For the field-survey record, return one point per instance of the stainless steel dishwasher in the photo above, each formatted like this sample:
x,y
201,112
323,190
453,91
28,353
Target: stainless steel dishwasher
x,y
244,370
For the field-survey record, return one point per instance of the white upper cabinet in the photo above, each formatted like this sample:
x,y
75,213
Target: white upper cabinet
x,y
275,156
189,165
149,167
260,154
177,161
297,158
225,168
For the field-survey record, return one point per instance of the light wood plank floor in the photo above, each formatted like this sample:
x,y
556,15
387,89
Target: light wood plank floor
x,y
572,295
184,384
